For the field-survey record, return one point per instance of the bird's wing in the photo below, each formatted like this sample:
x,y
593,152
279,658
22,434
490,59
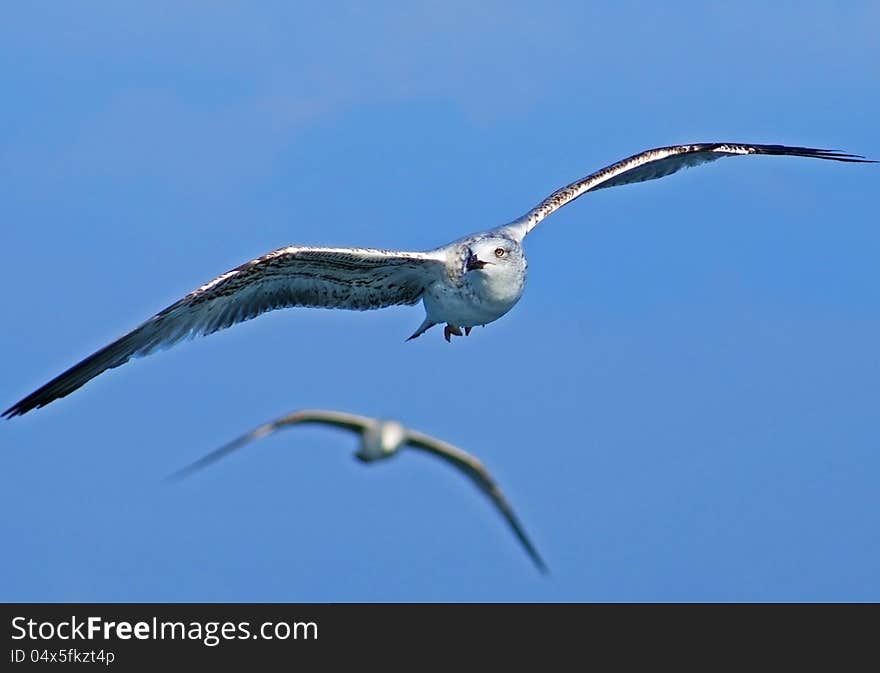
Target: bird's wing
x,y
338,418
348,278
658,163
481,477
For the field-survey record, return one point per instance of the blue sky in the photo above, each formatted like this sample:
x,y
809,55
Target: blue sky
x,y
683,406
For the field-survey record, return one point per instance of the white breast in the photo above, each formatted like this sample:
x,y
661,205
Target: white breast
x,y
381,440
476,298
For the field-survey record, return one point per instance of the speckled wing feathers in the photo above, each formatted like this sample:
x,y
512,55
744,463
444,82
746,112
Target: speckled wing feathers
x,y
658,163
339,419
347,278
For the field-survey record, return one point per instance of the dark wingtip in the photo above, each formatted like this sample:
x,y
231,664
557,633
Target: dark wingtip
x,y
20,408
816,153
198,465
537,559
37,399
178,475
195,466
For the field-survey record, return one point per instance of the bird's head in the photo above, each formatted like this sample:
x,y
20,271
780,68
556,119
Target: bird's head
x,y
494,255
381,440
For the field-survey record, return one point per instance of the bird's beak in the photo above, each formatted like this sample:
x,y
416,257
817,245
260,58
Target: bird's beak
x,y
474,263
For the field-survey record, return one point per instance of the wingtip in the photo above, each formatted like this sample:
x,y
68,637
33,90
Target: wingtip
x,y
41,397
538,560
17,409
187,471
838,155
178,474
821,153
36,400
176,477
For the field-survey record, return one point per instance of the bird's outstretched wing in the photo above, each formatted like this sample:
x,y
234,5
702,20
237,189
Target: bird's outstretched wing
x,y
658,163
347,278
474,469
336,418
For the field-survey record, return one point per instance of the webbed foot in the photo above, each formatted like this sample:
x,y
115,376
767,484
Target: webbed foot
x,y
449,330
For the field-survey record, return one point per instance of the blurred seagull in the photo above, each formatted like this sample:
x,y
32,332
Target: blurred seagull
x,y
382,439
472,281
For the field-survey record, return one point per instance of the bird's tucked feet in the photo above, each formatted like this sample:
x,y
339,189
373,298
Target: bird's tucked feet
x,y
449,330
467,331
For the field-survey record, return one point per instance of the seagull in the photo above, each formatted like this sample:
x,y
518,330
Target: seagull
x,y
472,281
381,439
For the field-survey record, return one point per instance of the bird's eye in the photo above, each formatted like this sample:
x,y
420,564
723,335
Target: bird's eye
x,y
499,252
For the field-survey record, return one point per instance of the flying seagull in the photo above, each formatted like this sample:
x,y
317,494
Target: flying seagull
x,y
381,439
472,281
